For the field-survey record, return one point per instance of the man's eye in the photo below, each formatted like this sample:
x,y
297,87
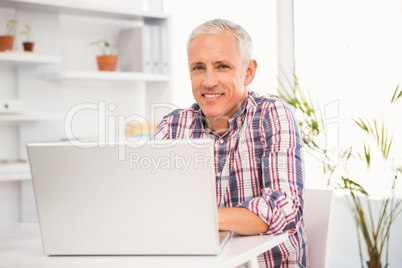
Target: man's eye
x,y
223,66
197,68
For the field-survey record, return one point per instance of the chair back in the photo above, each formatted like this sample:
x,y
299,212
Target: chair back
x,y
317,217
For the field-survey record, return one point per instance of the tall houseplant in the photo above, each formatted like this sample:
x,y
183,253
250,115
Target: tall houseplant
x,y
7,41
372,230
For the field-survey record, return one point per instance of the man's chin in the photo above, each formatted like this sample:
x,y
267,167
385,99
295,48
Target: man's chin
x,y
216,116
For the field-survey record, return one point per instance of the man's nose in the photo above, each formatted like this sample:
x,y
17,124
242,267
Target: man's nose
x,y
210,79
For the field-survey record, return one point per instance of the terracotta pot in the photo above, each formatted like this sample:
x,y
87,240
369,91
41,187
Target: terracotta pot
x,y
6,42
107,62
28,46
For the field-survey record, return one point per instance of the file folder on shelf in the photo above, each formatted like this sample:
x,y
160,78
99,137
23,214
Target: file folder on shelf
x,y
156,49
135,49
164,49
144,49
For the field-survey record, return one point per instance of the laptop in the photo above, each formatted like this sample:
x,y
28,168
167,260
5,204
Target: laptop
x,y
150,198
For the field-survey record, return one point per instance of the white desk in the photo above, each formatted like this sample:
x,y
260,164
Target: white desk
x,y
21,246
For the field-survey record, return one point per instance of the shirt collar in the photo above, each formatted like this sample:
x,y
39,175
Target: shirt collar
x,y
237,118
201,120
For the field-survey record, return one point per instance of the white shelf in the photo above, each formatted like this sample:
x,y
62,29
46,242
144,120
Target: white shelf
x,y
20,57
15,172
28,118
83,9
15,177
111,76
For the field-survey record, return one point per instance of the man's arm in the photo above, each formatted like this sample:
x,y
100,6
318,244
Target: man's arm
x,y
281,203
241,221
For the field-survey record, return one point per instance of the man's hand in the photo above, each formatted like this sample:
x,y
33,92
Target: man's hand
x,y
241,221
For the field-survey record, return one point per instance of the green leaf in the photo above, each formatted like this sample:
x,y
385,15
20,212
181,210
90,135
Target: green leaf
x,y
362,125
367,155
352,186
396,95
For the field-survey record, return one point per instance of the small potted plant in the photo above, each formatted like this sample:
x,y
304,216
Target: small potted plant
x,y
7,41
27,32
107,60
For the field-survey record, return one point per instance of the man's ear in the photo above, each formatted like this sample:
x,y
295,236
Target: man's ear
x,y
250,72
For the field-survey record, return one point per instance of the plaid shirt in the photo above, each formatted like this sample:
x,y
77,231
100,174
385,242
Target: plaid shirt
x,y
258,165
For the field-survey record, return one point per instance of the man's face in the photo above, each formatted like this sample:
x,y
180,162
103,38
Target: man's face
x,y
217,75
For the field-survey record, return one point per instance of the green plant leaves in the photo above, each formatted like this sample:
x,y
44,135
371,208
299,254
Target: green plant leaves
x,y
396,95
352,187
105,46
27,31
380,135
300,99
11,24
374,228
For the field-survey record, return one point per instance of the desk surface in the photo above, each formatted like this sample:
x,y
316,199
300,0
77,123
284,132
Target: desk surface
x,y
21,246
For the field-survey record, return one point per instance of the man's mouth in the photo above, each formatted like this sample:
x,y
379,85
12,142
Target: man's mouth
x,y
212,95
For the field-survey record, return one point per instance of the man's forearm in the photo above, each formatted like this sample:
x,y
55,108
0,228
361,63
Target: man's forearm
x,y
241,221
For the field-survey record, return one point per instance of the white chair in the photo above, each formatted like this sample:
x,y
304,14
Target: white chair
x,y
317,217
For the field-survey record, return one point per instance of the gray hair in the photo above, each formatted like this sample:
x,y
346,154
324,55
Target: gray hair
x,y
216,26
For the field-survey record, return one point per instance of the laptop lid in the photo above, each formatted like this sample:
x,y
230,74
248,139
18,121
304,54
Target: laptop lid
x,y
154,198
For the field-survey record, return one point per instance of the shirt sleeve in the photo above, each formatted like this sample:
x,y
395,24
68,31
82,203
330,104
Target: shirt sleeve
x,y
161,132
281,202
168,127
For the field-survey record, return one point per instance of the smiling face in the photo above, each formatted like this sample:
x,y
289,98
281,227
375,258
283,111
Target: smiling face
x,y
218,76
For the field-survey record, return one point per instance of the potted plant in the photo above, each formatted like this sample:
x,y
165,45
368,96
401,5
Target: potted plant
x,y
27,32
373,221
7,41
374,230
107,60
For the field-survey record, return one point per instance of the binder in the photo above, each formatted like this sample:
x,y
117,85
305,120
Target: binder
x,y
135,49
164,49
147,53
156,49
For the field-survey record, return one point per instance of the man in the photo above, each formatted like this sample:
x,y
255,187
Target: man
x,y
258,157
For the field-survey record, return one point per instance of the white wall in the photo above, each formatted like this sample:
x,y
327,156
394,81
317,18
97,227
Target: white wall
x,y
348,52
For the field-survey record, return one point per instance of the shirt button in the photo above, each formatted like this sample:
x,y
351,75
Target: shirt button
x,y
219,174
221,141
